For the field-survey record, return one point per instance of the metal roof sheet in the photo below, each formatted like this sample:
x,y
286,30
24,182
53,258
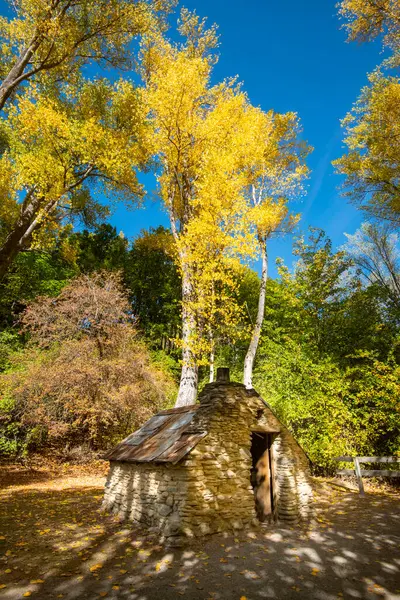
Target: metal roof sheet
x,y
166,437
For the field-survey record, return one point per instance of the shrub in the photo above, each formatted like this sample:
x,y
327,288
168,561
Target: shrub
x,y
308,396
86,379
332,411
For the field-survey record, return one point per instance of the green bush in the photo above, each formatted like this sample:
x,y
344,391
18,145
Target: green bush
x,y
12,433
308,397
10,341
332,411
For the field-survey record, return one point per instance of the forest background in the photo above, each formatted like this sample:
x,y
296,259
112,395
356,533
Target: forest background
x,y
91,320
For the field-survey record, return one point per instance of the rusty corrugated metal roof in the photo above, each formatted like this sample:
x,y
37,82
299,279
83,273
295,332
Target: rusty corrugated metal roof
x,y
166,437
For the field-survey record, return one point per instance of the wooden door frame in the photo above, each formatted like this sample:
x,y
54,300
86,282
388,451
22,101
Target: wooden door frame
x,y
270,501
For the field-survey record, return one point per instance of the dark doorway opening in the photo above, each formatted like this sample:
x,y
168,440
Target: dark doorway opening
x,y
262,473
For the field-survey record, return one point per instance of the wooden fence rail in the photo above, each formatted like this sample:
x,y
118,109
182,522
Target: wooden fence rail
x,y
359,473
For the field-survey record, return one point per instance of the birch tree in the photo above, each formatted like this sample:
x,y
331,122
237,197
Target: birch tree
x,y
277,178
210,151
374,251
200,140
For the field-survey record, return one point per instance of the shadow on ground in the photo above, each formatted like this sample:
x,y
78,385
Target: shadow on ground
x,y
57,544
11,476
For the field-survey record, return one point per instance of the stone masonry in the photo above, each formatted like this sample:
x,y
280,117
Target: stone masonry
x,y
209,490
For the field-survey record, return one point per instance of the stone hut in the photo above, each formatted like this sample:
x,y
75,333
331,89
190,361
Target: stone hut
x,y
222,464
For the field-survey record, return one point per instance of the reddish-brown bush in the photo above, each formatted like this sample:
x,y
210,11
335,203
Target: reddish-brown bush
x,y
86,378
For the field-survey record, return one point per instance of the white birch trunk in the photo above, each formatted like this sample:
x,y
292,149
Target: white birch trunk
x,y
187,393
255,338
212,345
212,369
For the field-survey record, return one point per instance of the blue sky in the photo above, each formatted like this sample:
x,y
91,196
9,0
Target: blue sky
x,y
292,56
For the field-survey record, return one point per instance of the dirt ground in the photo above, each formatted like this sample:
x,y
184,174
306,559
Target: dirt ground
x,y
55,543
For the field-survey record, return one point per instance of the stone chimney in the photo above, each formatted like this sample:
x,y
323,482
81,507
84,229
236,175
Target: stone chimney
x,y
223,375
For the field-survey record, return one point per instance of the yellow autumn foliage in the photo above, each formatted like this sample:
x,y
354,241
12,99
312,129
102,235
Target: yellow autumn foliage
x,y
67,139
365,20
56,149
63,36
212,148
372,163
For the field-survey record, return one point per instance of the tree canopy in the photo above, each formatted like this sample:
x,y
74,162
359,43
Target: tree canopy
x,y
64,136
213,147
371,165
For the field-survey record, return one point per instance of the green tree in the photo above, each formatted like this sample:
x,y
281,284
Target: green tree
x,y
328,357
316,288
102,248
154,285
329,308
373,395
308,395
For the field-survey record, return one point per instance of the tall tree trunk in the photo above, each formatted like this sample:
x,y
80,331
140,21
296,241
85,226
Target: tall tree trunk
x,y
189,376
255,338
18,238
187,393
29,220
212,343
212,365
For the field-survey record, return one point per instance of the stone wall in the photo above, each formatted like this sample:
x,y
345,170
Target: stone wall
x,y
292,480
150,494
220,496
210,491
